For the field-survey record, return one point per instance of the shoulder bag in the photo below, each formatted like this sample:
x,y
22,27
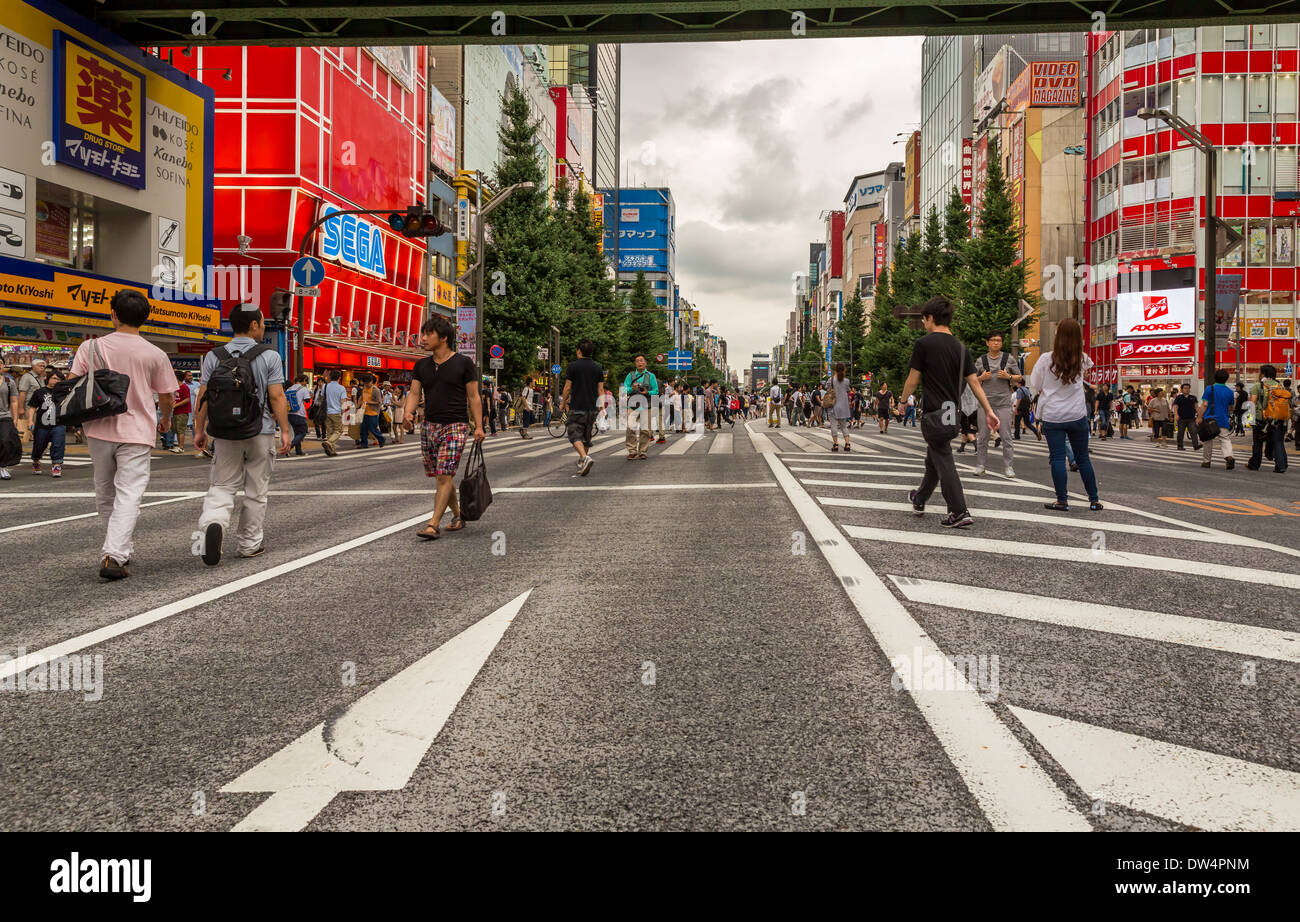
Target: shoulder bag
x,y
1208,429
475,493
99,393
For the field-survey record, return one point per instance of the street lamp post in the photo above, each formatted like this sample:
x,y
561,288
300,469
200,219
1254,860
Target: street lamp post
x,y
1205,146
480,262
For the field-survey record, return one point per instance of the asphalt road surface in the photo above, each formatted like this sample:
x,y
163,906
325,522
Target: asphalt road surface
x,y
745,631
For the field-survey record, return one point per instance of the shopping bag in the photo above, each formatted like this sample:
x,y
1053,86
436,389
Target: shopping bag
x,y
475,493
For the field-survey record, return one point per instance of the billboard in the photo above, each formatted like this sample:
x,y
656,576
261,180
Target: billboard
x,y
967,171
869,190
881,241
991,84
645,236
442,144
1045,83
1165,312
1177,347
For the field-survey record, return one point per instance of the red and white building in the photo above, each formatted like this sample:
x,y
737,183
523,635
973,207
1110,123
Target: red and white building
x,y
1146,204
299,130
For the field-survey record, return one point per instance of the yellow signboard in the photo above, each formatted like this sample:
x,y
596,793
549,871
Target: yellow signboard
x,y
92,295
100,122
444,293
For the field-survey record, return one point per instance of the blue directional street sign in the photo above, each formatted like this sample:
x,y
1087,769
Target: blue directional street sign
x,y
555,369
308,271
680,359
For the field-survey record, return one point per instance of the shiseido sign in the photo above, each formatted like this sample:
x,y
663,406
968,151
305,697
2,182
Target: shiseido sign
x,y
1164,313
1175,348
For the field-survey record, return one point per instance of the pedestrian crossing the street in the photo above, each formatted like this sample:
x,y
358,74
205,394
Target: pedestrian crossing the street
x,y
1121,600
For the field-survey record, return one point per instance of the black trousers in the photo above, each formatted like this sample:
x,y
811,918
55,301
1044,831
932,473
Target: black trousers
x,y
1275,435
941,471
1189,426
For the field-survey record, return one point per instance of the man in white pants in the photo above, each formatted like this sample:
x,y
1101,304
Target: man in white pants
x,y
120,445
999,375
240,463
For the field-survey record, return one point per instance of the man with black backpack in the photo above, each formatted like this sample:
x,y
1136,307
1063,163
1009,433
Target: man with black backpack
x,y
999,375
243,385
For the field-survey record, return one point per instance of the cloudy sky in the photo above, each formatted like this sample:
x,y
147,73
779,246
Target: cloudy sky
x,y
756,139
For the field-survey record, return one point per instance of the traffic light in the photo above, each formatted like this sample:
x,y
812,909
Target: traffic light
x,y
417,221
281,306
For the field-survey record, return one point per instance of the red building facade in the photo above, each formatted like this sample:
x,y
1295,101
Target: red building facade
x,y
1146,184
301,130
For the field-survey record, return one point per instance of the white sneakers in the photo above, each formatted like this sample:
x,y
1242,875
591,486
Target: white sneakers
x,y
1010,472
979,470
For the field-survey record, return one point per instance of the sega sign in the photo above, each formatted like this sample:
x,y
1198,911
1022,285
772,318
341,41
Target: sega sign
x,y
1168,312
354,243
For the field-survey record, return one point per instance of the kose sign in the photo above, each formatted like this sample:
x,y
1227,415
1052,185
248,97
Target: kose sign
x,y
1156,313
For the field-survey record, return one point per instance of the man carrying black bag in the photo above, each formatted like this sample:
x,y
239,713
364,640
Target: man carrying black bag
x,y
11,443
449,383
121,443
943,363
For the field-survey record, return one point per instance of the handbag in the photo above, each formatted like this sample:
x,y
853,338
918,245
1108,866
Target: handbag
x,y
1208,429
475,493
11,444
99,393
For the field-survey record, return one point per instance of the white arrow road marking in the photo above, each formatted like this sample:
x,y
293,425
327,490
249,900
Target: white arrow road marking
x,y
1009,785
379,741
1224,636
1190,786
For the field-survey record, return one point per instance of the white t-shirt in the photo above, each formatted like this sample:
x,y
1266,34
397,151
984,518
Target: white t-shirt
x,y
1058,402
775,393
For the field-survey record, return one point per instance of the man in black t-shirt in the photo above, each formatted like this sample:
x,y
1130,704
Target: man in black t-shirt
x,y
943,363
1185,404
448,382
584,386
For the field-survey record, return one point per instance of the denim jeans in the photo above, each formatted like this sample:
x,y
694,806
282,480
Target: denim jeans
x,y
299,424
370,424
52,436
1075,434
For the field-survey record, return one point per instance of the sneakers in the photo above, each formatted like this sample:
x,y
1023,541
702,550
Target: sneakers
x,y
584,466
1010,472
642,456
111,569
979,470
329,449
36,467
957,520
56,471
176,450
1229,463
212,545
918,509
255,552
4,473
660,441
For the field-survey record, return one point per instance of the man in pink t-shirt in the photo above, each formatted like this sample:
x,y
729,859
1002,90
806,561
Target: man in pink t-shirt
x,y
120,445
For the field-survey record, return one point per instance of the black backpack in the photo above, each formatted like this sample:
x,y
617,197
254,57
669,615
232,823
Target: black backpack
x,y
234,409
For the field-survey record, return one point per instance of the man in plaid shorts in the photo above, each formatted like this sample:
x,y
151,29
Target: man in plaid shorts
x,y
448,382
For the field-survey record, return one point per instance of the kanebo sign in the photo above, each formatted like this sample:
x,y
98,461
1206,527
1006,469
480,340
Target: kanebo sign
x,y
1167,312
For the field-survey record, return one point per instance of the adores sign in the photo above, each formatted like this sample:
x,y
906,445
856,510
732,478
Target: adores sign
x,y
1165,313
1178,347
354,243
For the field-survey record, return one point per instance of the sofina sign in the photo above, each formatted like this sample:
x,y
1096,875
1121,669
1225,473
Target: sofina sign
x,y
353,242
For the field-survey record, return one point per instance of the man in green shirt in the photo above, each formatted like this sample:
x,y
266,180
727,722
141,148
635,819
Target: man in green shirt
x,y
1271,428
640,389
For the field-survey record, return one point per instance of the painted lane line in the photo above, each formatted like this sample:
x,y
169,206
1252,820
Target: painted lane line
x,y
85,495
377,743
1059,520
641,486
1010,786
385,453
91,515
1190,786
1028,551
683,445
762,444
135,622
559,445
722,444
1207,634
902,489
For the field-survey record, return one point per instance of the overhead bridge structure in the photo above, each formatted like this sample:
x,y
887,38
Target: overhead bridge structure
x,y
385,22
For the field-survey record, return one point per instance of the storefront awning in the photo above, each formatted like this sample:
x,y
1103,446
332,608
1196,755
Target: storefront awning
x,y
352,345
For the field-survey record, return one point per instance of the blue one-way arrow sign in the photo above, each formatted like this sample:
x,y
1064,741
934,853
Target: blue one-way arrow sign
x,y
308,271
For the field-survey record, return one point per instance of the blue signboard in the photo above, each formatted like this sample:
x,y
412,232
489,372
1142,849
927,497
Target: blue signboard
x,y
646,224
680,359
308,271
354,242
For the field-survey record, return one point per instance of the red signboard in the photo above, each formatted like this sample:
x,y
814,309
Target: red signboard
x,y
1177,347
967,171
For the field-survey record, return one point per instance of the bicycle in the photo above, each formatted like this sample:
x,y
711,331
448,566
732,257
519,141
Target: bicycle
x,y
557,424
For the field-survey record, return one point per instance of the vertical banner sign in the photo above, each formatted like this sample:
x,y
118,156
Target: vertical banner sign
x,y
879,229
466,330
967,171
98,113
1227,295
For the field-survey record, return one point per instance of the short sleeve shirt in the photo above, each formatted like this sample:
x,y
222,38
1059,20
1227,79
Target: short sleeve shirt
x,y
150,372
944,364
267,370
998,391
445,387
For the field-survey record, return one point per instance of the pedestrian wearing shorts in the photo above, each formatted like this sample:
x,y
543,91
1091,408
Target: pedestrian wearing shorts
x,y
584,389
840,411
448,382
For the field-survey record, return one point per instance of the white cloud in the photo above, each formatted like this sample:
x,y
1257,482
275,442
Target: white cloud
x,y
756,139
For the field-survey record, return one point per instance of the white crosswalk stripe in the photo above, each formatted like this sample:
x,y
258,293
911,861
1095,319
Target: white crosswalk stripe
x,y
1170,777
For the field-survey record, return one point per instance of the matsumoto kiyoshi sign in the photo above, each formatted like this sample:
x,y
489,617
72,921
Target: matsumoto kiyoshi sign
x,y
353,242
1166,312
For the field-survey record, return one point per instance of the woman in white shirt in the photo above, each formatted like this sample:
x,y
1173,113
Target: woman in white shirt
x,y
1063,411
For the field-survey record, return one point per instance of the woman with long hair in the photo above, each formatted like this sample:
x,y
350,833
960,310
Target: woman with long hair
x,y
1063,411
840,410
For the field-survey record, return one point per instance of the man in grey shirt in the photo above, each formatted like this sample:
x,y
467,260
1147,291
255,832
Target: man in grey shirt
x,y
999,375
29,384
241,463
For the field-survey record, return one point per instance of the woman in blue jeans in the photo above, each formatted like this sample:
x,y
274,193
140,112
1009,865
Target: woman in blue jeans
x,y
1063,411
